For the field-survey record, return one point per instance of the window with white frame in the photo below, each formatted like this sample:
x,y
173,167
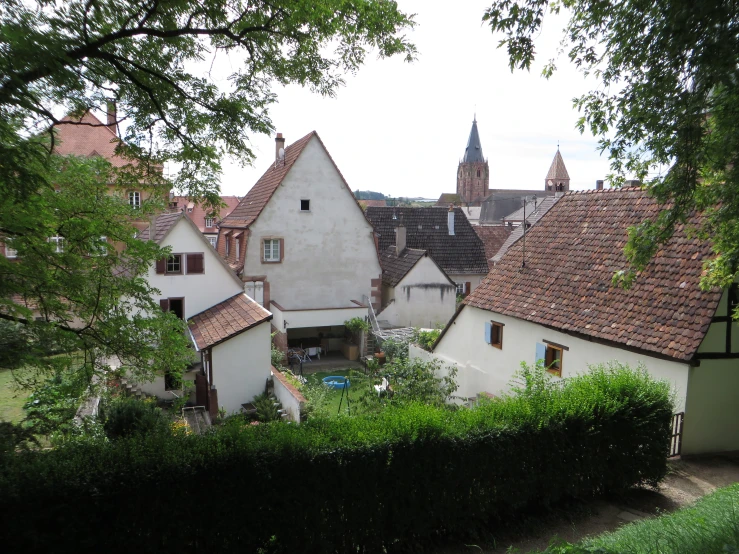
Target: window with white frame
x,y
209,221
9,251
57,244
238,248
460,288
134,199
174,263
212,241
102,247
271,250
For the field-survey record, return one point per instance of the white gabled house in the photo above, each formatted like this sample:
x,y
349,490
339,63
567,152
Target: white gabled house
x,y
558,304
416,292
300,241
229,330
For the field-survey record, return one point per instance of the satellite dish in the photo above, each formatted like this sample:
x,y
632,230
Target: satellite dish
x,y
281,153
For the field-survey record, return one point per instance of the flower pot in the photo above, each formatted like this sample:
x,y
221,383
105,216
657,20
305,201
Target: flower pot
x,y
380,357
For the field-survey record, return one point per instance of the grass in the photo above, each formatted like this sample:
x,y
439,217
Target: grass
x,y
358,382
11,399
710,526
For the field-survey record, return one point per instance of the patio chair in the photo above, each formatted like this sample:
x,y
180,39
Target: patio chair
x,y
382,387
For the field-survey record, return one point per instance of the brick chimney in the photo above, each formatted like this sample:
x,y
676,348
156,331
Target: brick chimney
x,y
279,144
450,219
112,124
400,239
599,184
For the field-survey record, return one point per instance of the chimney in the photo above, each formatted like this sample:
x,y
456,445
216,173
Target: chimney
x,y
632,183
400,236
599,184
450,219
279,144
112,124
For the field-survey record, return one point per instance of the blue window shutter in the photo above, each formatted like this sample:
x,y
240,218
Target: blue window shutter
x,y
488,332
541,352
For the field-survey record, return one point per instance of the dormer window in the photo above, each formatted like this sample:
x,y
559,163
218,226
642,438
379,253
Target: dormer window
x,y
209,221
134,199
305,205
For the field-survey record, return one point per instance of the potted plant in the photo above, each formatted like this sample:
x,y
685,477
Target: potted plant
x,y
355,326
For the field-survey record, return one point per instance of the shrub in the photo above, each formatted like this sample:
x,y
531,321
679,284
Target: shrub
x,y
426,339
398,478
53,405
356,325
395,348
266,409
127,417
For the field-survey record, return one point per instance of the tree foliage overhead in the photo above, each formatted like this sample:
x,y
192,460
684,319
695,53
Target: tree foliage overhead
x,y
666,111
153,58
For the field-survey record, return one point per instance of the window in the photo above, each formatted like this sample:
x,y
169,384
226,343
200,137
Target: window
x,y
57,244
209,221
478,172
101,249
238,248
460,289
551,354
305,205
228,245
494,334
174,263
272,250
134,199
212,241
10,252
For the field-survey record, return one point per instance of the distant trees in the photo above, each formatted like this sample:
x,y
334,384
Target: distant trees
x,y
368,195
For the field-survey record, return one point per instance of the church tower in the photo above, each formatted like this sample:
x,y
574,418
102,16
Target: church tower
x,y
557,180
473,173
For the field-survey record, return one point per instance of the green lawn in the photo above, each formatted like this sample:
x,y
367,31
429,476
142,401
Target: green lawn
x,y
11,399
359,382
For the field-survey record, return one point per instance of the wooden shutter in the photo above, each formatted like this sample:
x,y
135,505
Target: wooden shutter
x,y
488,332
282,249
161,265
195,263
164,304
467,288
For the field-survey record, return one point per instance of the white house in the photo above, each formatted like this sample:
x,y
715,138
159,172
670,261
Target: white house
x,y
299,239
556,302
416,292
230,332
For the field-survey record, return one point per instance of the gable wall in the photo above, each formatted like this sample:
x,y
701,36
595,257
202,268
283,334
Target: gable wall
x,y
423,298
483,367
200,291
329,253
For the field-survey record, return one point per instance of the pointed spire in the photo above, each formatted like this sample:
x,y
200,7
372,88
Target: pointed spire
x,y
558,169
473,152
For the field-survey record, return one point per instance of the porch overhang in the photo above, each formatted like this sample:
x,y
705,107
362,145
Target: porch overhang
x,y
286,318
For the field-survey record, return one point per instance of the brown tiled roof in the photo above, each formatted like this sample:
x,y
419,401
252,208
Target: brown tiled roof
x,y
198,213
373,203
256,199
163,223
447,198
572,254
226,319
557,170
541,208
394,267
462,252
492,237
87,136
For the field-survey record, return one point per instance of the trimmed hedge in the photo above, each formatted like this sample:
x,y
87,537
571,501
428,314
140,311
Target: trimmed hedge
x,y
361,484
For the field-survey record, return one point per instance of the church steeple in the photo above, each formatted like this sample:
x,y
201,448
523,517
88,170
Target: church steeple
x,y
557,179
473,173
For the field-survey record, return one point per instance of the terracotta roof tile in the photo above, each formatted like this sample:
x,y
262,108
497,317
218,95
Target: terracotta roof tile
x,y
557,170
87,136
462,252
572,254
198,213
394,267
163,223
256,199
492,237
226,319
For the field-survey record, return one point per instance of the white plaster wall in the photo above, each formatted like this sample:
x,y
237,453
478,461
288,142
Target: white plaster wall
x,y
712,410
156,387
474,279
423,298
241,367
330,255
483,367
315,318
288,401
200,291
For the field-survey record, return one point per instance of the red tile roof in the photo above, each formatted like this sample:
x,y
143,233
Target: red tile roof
x,y
198,213
226,319
572,254
163,223
87,136
256,199
492,237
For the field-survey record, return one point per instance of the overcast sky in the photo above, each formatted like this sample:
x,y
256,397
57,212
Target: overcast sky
x,y
401,128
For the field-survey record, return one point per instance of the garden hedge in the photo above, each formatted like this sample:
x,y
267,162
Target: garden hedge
x,y
406,476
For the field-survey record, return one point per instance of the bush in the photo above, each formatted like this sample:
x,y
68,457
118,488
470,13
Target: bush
x,y
426,339
127,417
266,409
404,476
53,405
710,526
395,348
